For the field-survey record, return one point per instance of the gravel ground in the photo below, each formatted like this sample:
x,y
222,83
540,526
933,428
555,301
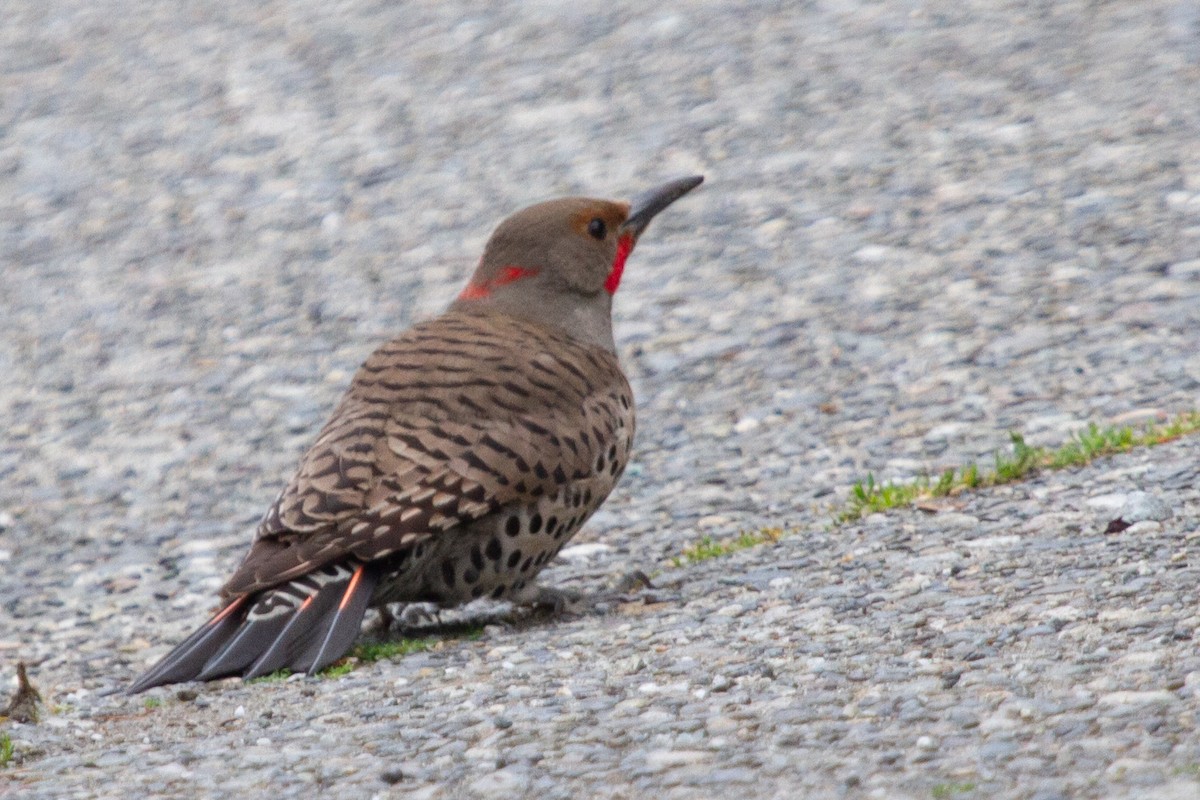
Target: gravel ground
x,y
924,225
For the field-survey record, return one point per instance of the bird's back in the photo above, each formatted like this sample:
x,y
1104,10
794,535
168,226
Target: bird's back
x,y
458,418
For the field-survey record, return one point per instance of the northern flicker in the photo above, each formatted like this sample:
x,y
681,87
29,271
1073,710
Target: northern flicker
x,y
466,452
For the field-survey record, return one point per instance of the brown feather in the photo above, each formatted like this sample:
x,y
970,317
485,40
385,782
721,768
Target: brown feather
x,y
465,406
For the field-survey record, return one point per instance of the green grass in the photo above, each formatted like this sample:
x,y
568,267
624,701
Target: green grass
x,y
1084,447
708,547
337,669
1020,461
368,652
869,497
6,750
272,677
944,790
152,703
375,651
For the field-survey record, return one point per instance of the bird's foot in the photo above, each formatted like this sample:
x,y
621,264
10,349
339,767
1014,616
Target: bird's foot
x,y
543,598
631,582
420,615
633,588
383,625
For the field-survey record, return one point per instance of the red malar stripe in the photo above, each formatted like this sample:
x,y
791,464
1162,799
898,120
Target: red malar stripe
x,y
624,246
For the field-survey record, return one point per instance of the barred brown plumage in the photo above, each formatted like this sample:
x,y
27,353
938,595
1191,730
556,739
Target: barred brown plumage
x,y
465,454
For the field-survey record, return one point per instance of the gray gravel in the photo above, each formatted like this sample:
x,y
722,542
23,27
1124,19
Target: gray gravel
x,y
925,225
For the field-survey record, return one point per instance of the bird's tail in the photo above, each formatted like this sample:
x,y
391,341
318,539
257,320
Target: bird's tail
x,y
303,625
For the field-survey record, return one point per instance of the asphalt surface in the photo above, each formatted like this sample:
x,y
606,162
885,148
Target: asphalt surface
x,y
923,226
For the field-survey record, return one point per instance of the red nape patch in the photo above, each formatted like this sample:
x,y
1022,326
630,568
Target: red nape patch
x,y
506,275
624,246
473,291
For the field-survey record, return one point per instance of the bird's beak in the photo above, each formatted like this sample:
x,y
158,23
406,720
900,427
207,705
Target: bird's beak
x,y
646,205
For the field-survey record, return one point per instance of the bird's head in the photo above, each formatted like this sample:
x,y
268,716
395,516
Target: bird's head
x,y
559,262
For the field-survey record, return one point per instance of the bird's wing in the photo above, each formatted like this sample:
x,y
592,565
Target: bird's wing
x,y
442,426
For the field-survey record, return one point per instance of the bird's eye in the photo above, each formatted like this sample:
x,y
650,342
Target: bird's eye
x,y
597,229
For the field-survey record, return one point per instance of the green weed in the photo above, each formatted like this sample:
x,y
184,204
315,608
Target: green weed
x,y
272,677
868,496
708,547
368,652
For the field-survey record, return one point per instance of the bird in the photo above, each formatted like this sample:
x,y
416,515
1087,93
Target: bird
x,y
465,453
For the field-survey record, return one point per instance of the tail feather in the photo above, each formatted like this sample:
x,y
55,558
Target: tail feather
x,y
345,622
318,635
189,657
303,625
243,648
285,611
282,651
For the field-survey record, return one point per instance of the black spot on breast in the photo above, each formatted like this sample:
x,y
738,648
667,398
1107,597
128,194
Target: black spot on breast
x,y
587,497
477,592
470,576
535,523
600,463
514,558
528,563
541,559
612,452
552,526
513,526
448,571
499,591
615,468
494,551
